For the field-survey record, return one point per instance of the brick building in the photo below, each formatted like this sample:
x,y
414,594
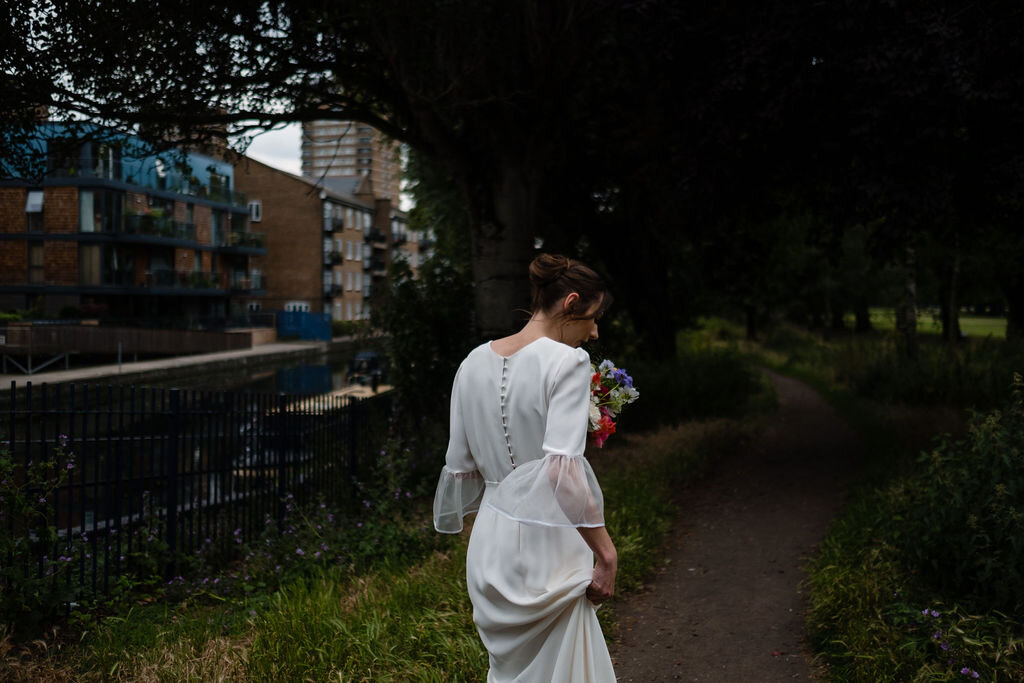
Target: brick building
x,y
123,238
328,246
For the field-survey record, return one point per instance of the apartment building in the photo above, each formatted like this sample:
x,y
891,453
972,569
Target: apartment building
x,y
329,245
117,237
332,149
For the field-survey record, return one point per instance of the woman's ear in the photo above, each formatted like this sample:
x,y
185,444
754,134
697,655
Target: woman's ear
x,y
570,301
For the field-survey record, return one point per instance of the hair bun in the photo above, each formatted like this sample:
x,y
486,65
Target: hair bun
x,y
547,268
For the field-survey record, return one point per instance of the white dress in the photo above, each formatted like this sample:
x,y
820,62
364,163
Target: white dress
x,y
518,431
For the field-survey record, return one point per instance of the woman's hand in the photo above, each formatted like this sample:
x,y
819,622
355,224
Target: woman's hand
x,y
602,586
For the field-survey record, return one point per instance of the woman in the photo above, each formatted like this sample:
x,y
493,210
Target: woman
x,y
519,417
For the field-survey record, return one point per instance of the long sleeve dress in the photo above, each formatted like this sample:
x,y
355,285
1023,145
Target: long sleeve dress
x,y
515,456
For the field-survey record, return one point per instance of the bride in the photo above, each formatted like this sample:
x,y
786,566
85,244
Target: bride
x,y
540,560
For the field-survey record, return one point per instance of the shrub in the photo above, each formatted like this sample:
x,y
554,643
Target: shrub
x,y
964,512
346,328
701,382
33,591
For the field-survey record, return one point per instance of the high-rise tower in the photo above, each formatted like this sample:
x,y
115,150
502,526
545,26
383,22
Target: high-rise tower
x,y
333,149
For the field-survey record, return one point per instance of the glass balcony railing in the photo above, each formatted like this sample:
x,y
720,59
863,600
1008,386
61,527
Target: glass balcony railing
x,y
170,181
242,281
255,240
183,279
158,226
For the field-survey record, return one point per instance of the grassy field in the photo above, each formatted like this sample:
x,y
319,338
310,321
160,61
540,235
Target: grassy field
x,y
974,326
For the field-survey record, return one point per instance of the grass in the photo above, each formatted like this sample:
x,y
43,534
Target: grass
x,y
872,617
928,323
394,623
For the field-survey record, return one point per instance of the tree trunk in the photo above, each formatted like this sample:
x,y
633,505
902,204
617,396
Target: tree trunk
x,y
906,310
949,310
863,317
1015,309
503,235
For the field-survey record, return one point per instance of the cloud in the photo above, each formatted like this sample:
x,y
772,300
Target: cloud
x,y
279,148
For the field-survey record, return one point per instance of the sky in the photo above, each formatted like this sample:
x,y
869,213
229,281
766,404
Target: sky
x,y
279,148
282,149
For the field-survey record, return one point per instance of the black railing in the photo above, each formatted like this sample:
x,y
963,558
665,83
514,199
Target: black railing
x,y
193,468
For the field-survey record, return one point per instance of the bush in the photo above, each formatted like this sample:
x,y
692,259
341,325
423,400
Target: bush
x,y
33,591
347,328
975,374
964,512
701,382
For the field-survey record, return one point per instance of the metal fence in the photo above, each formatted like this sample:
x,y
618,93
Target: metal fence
x,y
200,467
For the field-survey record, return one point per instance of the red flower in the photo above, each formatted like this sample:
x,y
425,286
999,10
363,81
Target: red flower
x,y
605,428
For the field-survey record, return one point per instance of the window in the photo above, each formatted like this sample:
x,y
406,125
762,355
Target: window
x,y
36,274
300,306
359,281
34,211
359,309
349,251
348,311
89,264
197,261
254,306
255,211
337,278
190,214
337,310
217,228
348,280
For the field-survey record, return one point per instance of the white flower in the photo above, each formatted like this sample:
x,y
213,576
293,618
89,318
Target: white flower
x,y
595,416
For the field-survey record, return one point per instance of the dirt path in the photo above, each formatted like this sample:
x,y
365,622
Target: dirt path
x,y
728,605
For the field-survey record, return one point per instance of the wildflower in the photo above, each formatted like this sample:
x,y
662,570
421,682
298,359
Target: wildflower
x,y
316,554
42,499
944,645
71,464
934,613
359,525
63,440
299,551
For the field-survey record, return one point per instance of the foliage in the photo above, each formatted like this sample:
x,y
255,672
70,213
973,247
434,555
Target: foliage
x,y
871,620
427,326
963,512
33,593
345,328
702,381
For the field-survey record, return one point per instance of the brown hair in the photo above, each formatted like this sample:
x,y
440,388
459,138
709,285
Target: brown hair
x,y
553,277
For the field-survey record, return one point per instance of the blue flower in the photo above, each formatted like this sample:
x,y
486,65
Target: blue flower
x,y
622,378
606,365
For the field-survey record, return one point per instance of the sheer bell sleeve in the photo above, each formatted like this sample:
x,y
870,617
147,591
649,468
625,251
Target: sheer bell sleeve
x,y
460,487
559,489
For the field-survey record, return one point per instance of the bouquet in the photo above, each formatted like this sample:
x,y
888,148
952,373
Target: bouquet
x,y
610,389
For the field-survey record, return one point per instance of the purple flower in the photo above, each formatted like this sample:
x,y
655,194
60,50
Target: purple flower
x,y
937,635
71,464
63,440
299,551
620,376
944,645
934,613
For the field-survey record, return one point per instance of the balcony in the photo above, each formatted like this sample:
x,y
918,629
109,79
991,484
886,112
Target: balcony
x,y
170,181
377,239
158,226
331,224
378,268
182,279
332,290
247,240
333,258
242,281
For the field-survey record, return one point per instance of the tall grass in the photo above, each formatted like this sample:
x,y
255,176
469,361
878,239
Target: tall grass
x,y
918,580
